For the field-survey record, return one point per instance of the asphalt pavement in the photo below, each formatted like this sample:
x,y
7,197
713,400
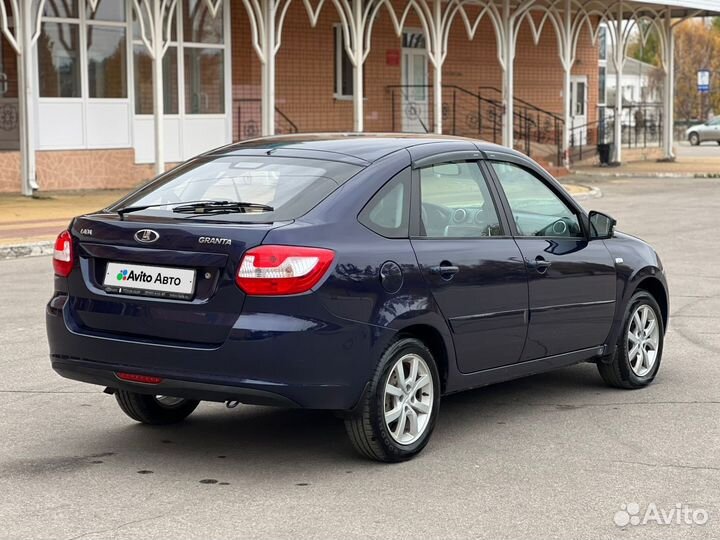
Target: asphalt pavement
x,y
557,455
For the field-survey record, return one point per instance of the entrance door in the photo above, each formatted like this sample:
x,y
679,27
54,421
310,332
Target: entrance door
x,y
578,109
414,106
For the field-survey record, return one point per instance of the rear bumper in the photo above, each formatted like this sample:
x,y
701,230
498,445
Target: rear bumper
x,y
294,364
93,373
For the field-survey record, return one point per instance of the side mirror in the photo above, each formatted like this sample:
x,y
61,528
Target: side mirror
x,y
601,225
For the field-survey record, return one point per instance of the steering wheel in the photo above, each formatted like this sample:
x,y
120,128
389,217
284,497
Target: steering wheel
x,y
561,227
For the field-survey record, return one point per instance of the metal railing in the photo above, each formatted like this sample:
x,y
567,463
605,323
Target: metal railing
x,y
248,117
642,127
472,114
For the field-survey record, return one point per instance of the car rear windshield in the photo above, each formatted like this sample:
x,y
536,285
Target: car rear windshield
x,y
290,186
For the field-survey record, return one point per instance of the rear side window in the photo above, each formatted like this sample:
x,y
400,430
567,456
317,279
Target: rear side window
x,y
388,212
291,186
456,202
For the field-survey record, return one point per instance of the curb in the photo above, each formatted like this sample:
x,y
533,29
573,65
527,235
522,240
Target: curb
x,y
593,174
591,193
37,249
34,249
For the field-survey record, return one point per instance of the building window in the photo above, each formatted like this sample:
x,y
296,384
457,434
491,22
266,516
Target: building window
x,y
204,81
194,63
602,84
107,61
58,50
144,97
602,43
81,52
344,71
204,59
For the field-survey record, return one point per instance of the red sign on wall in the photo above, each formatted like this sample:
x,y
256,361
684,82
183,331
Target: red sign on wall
x,y
392,57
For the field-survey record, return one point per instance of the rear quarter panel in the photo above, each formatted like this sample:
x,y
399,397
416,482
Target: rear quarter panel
x,y
353,290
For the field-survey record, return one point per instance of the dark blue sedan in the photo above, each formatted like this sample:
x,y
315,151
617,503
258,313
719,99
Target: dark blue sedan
x,y
366,274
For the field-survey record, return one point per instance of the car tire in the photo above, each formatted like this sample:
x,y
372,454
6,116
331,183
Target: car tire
x,y
694,139
371,427
632,368
154,410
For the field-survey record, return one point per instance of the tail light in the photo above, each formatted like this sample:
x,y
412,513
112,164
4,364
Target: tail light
x,y
281,270
63,256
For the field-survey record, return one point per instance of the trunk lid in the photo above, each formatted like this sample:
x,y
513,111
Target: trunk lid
x,y
202,256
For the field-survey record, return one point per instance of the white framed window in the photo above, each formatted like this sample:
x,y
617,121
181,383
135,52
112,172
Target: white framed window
x,y
82,53
194,66
343,67
81,75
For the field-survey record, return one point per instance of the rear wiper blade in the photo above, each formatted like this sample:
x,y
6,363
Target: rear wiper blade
x,y
128,209
221,207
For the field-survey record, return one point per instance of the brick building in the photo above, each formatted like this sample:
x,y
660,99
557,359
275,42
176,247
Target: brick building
x,y
79,78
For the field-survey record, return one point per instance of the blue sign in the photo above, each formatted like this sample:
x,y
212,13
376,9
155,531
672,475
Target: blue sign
x,y
703,81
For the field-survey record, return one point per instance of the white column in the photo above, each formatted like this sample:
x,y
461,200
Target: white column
x,y
358,62
26,99
508,87
267,79
669,90
159,94
567,117
438,54
567,61
619,62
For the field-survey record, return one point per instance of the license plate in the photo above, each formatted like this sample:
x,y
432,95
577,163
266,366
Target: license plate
x,y
158,281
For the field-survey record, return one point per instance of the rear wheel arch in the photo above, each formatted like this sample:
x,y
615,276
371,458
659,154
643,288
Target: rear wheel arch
x,y
435,342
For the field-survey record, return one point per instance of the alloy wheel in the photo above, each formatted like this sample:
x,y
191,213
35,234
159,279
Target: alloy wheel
x,y
643,339
408,399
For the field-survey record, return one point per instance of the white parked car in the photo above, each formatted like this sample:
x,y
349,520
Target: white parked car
x,y
709,131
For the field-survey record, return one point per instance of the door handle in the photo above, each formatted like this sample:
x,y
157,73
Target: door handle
x,y
445,271
539,264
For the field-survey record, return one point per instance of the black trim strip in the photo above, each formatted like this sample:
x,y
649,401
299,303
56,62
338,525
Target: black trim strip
x,y
488,315
578,304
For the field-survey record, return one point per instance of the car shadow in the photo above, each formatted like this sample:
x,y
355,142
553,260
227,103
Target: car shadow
x,y
233,444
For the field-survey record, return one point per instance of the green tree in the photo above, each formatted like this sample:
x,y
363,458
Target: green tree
x,y
716,24
697,46
649,51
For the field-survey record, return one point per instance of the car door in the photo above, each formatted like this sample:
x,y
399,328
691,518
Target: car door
x,y
471,263
713,131
571,280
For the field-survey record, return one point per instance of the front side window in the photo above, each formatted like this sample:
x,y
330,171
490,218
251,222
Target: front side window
x,y
456,202
537,210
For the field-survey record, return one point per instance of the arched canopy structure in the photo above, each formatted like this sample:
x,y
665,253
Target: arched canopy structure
x,y
568,20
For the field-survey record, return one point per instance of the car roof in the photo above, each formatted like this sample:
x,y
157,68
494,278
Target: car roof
x,y
366,147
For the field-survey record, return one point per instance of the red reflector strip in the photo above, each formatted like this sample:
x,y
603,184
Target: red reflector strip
x,y
134,377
